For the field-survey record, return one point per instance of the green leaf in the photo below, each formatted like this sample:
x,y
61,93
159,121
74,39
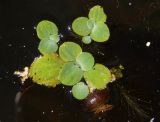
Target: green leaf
x,y
97,14
98,77
100,32
45,29
80,91
80,26
45,70
47,46
85,60
69,51
91,23
86,39
55,38
70,74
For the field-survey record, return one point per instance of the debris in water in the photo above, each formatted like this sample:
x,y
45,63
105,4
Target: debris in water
x,y
23,74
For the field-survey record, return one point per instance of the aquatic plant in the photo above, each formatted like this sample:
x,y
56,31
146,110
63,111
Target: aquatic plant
x,y
47,32
45,69
80,91
70,65
67,64
93,27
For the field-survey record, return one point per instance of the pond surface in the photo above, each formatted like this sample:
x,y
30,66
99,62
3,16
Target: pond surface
x,y
134,43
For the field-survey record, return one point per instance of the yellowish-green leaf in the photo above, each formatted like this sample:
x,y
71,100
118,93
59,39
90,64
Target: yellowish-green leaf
x,y
70,74
69,51
45,70
100,32
55,38
80,91
85,60
86,39
98,77
47,47
45,29
80,26
91,23
97,13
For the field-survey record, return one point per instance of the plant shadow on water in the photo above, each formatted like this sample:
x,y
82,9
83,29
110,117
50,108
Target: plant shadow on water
x,y
134,43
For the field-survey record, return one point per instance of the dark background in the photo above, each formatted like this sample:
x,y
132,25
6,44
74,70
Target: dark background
x,y
132,23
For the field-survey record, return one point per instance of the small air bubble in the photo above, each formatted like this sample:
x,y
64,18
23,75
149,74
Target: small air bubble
x,y
69,28
43,112
130,29
101,53
148,44
61,35
23,28
34,28
129,3
51,111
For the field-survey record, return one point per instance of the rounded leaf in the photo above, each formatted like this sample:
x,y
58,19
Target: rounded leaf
x,y
97,13
47,46
86,39
80,91
91,23
80,26
45,29
70,74
69,51
54,37
85,60
98,77
100,32
45,70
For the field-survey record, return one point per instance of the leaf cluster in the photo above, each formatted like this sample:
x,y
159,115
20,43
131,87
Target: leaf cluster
x,y
92,27
47,32
68,65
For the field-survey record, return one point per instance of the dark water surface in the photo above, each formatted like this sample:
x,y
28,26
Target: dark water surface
x,y
134,43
